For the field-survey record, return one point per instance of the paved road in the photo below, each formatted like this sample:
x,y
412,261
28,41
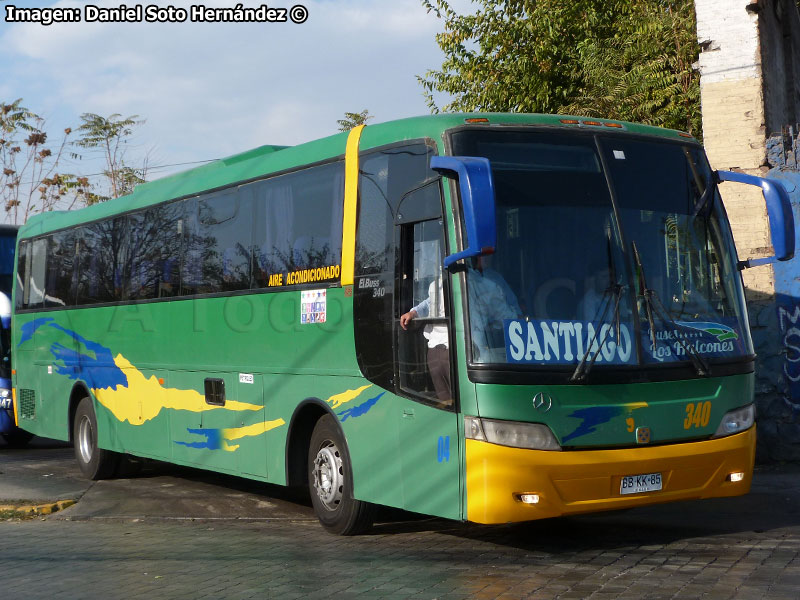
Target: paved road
x,y
133,538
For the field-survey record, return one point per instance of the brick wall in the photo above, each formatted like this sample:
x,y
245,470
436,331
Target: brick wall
x,y
734,122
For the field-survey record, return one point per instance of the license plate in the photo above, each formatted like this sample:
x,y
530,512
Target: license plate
x,y
636,484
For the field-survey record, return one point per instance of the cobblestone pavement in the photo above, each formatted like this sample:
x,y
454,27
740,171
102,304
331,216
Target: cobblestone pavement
x,y
165,534
745,548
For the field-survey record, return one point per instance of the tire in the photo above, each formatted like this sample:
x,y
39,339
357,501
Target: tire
x,y
17,438
95,463
330,482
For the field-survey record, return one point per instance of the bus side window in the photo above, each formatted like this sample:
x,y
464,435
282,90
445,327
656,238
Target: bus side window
x,y
36,274
23,267
423,345
386,177
298,222
60,284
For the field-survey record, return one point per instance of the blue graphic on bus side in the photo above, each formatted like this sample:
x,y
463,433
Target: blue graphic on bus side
x,y
213,439
360,410
28,329
99,371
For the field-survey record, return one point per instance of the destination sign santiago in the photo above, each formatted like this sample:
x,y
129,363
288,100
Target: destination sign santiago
x,y
547,341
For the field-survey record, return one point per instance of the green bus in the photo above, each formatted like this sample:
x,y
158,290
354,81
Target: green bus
x,y
483,317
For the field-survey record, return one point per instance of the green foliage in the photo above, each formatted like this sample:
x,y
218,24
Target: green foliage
x,y
621,59
109,136
29,177
352,120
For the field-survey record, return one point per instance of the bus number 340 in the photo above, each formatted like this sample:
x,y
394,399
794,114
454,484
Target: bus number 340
x,y
697,415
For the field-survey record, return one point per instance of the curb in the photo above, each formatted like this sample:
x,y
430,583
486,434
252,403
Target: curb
x,y
35,510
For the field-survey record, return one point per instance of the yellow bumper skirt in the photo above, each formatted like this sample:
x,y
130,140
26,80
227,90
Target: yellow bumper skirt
x,y
587,481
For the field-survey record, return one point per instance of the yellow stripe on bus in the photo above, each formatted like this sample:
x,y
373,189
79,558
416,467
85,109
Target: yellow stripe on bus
x,y
14,401
350,205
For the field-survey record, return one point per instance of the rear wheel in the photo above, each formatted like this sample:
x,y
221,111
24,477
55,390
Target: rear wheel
x,y
94,462
330,481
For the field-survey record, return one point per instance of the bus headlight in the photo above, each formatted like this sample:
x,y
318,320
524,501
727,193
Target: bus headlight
x,y
534,436
737,420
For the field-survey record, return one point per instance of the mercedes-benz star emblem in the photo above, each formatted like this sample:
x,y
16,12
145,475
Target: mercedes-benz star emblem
x,y
542,402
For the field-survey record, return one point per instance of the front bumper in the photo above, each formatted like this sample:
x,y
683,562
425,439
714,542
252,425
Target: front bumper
x,y
584,481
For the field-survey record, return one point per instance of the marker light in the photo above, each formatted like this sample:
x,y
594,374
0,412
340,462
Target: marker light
x,y
570,121
527,498
534,436
734,477
476,120
473,429
593,123
617,125
737,420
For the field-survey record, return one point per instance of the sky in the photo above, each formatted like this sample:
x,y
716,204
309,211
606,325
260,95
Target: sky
x,y
209,90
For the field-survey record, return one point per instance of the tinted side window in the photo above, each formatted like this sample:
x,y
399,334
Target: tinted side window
x,y
154,252
22,270
60,285
87,266
102,260
298,223
225,226
36,274
386,178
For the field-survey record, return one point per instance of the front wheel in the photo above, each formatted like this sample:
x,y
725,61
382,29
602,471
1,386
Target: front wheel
x,y
330,481
95,463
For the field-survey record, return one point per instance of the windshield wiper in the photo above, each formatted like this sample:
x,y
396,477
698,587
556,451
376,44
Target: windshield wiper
x,y
582,370
653,304
585,365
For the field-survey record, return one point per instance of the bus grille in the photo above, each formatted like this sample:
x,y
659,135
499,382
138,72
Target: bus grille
x,y
27,404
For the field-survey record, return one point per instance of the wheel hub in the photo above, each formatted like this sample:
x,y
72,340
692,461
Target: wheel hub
x,y
328,475
85,439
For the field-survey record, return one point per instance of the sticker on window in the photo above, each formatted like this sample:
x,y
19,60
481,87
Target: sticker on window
x,y
715,339
619,154
313,306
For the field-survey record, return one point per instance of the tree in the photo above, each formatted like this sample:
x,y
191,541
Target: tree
x,y
109,136
558,56
645,73
352,120
30,181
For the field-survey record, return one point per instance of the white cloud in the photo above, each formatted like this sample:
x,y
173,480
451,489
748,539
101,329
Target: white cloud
x,y
209,90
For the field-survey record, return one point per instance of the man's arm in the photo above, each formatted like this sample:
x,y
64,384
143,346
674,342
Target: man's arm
x,y
420,310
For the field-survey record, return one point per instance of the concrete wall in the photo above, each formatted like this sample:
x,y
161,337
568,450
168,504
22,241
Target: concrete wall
x,y
750,89
779,23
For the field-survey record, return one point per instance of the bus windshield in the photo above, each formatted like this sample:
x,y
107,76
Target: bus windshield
x,y
610,251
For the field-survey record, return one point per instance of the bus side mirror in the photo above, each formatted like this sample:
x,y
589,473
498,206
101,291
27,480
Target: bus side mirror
x,y
477,201
779,211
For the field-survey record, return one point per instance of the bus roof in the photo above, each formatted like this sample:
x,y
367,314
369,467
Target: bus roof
x,y
265,160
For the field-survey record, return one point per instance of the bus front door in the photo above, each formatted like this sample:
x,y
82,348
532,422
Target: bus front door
x,y
429,422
